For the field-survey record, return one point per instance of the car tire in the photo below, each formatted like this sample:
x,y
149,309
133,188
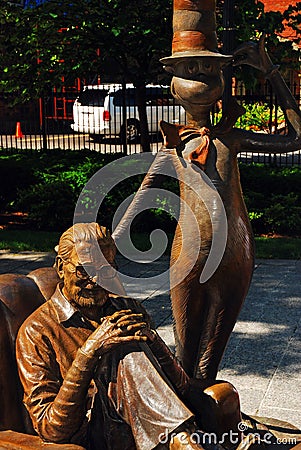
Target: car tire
x,y
132,131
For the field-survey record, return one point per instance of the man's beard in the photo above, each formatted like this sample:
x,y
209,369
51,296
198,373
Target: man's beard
x,y
86,299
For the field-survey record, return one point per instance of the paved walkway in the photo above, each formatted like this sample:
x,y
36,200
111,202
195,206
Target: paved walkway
x,y
263,357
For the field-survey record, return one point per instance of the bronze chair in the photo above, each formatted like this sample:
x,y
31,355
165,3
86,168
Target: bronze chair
x,y
20,295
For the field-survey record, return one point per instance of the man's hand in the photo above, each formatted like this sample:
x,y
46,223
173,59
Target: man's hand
x,y
121,327
253,54
150,335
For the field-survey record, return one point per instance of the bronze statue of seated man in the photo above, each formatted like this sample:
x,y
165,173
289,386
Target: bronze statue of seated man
x,y
94,373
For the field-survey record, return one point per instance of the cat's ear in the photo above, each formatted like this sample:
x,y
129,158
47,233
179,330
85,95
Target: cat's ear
x,y
170,133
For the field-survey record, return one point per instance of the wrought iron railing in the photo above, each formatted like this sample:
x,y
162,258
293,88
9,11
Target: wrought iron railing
x,y
47,123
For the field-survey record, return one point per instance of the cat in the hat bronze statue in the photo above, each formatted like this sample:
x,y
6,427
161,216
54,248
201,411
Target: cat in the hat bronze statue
x,y
205,310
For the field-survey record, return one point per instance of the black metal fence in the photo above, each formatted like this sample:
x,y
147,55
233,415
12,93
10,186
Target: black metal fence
x,y
105,118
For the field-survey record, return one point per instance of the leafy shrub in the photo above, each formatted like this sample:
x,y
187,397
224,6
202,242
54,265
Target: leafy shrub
x,y
257,117
284,216
15,173
47,185
49,206
273,198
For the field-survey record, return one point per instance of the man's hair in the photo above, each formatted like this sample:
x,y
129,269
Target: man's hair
x,y
87,232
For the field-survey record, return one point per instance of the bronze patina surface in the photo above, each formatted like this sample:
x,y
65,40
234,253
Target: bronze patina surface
x,y
94,373
205,313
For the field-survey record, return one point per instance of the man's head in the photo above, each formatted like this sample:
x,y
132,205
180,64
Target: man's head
x,y
86,254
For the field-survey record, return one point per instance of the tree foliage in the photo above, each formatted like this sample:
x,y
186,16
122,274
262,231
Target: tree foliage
x,y
116,39
40,46
251,20
141,33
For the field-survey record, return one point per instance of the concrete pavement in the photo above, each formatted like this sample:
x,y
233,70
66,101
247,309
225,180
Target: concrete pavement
x,y
263,357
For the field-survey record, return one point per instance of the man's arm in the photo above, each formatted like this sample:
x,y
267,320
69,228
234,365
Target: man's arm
x,y
58,406
255,55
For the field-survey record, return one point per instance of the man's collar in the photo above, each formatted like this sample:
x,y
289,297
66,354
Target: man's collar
x,y
63,308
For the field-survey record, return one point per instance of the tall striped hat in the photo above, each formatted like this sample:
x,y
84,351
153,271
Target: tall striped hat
x,y
194,31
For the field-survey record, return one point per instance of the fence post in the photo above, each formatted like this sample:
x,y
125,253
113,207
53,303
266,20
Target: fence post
x,y
124,129
43,123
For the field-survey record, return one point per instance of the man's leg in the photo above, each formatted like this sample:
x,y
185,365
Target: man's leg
x,y
142,396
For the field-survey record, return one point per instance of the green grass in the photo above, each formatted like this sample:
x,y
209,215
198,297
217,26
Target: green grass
x,y
26,240
278,247
43,241
266,247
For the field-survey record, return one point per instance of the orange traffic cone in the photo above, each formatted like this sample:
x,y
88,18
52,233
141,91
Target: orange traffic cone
x,y
19,133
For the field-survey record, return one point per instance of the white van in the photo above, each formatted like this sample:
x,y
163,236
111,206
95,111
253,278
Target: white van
x,y
99,111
